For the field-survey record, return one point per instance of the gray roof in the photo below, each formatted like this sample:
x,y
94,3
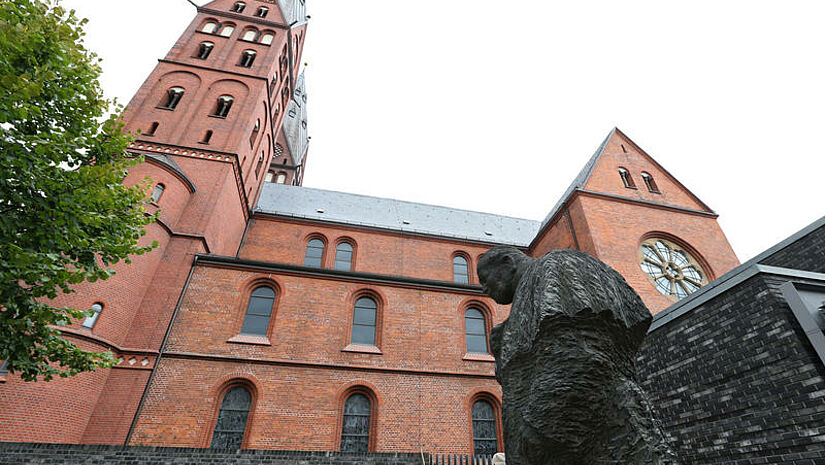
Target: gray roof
x,y
295,122
295,11
580,180
397,215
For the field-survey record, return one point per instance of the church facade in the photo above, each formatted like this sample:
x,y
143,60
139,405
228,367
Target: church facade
x,y
276,316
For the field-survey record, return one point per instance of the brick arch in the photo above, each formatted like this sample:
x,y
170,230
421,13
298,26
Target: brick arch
x,y
376,400
190,82
219,390
465,256
495,400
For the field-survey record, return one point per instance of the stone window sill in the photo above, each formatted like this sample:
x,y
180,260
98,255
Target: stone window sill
x,y
473,357
250,339
362,349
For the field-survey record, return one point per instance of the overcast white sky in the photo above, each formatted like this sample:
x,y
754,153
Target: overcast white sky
x,y
496,106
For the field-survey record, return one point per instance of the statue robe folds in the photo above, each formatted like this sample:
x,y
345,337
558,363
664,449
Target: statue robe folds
x,y
565,358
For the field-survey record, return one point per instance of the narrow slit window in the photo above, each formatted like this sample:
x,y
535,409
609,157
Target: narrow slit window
x,y
231,424
627,180
204,49
153,129
314,253
173,97
248,58
238,7
91,320
475,328
461,272
207,137
262,12
650,183
363,321
355,432
343,256
260,164
254,135
157,193
258,312
224,105
485,440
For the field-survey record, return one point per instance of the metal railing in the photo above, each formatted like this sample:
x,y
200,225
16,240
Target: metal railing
x,y
456,459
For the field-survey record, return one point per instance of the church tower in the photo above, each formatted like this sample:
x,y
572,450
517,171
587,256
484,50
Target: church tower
x,y
625,209
210,123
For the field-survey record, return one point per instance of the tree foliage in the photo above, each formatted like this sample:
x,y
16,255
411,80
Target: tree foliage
x,y
65,217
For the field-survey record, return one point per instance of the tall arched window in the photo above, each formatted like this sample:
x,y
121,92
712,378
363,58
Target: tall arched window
x,y
259,311
267,38
204,50
355,432
209,27
363,321
627,180
650,183
224,105
157,193
231,424
475,328
485,441
315,253
248,58
343,256
227,30
461,272
173,96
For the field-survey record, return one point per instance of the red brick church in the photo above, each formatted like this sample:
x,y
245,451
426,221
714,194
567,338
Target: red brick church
x,y
275,316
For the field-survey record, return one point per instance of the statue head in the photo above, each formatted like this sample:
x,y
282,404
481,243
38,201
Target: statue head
x,y
500,270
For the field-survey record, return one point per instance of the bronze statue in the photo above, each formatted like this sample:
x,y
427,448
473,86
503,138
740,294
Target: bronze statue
x,y
565,358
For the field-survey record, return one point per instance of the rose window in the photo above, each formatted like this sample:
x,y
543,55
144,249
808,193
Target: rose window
x,y
672,270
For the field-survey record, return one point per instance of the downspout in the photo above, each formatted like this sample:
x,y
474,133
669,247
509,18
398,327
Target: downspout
x,y
160,353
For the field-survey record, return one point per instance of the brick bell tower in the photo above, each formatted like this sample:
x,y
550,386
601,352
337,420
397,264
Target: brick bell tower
x,y
210,122
627,210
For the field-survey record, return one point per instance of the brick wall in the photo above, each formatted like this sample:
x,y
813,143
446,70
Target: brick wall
x,y
807,253
41,454
736,381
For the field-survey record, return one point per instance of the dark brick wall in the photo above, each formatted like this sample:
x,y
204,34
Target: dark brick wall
x,y
807,253
21,453
736,381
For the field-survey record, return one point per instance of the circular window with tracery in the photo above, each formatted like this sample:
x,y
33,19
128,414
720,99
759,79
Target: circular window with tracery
x,y
674,272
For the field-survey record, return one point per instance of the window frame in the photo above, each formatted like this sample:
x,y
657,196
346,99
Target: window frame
x,y
487,327
380,304
650,183
370,393
219,394
155,190
467,262
627,178
495,402
255,286
341,241
239,317
323,258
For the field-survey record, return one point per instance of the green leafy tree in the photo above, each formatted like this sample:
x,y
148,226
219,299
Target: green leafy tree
x,y
65,217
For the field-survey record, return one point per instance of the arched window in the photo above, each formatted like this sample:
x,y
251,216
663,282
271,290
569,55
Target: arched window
x,y
231,424
259,311
485,441
461,273
209,27
363,321
269,176
475,328
250,35
224,105
627,180
227,30
315,253
281,178
153,129
157,193
343,256
173,96
91,320
355,431
267,38
650,183
262,12
248,58
238,7
204,49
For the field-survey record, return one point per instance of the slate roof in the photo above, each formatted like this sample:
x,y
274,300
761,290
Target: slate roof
x,y
295,11
580,180
396,215
295,122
